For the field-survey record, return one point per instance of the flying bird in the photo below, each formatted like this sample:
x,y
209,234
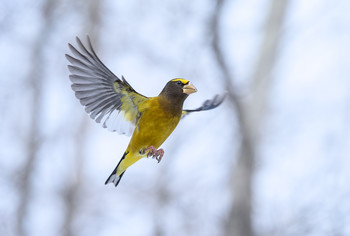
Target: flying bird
x,y
112,102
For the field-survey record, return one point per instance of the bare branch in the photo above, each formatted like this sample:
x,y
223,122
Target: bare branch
x,y
249,113
35,80
267,56
73,191
226,72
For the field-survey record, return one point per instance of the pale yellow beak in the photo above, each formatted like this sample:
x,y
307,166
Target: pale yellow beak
x,y
189,88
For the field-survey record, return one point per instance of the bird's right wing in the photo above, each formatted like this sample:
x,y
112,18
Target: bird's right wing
x,y
106,98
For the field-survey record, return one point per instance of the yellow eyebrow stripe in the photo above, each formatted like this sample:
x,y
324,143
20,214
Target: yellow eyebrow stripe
x,y
182,80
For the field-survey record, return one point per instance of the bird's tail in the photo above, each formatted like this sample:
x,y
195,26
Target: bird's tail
x,y
114,178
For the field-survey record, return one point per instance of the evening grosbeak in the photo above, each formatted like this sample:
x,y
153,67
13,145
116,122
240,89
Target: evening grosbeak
x,y
114,103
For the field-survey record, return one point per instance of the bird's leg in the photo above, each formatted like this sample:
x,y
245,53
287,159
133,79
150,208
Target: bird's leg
x,y
154,153
160,153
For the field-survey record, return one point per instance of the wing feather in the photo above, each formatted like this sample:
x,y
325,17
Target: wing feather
x,y
207,105
106,98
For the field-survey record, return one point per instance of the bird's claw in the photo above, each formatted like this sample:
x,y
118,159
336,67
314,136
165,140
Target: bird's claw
x,y
154,153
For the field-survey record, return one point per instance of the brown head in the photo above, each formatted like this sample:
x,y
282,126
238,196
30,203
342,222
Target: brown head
x,y
176,91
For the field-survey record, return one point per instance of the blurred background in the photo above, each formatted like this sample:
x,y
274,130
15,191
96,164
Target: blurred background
x,y
273,159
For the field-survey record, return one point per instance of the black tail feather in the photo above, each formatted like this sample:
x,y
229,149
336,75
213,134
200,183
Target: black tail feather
x,y
113,178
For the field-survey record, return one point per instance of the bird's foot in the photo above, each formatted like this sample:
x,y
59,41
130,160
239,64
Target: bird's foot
x,y
154,153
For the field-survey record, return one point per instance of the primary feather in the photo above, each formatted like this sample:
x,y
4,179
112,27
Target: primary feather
x,y
106,98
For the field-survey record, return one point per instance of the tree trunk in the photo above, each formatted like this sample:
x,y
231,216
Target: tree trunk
x,y
250,114
33,139
73,192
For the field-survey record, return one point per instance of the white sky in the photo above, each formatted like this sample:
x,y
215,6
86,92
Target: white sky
x,y
303,170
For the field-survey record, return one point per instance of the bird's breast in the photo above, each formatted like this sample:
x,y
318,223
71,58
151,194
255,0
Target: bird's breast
x,y
153,128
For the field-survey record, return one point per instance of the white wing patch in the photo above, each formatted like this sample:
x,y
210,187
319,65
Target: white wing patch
x,y
115,121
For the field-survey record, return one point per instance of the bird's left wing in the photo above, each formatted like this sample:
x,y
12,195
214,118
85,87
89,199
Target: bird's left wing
x,y
207,105
106,98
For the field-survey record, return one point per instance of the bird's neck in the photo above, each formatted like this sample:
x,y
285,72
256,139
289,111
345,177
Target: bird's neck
x,y
172,104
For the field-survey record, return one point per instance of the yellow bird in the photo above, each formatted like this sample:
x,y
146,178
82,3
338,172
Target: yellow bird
x,y
114,103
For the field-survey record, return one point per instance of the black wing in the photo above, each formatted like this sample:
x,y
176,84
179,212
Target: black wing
x,y
207,105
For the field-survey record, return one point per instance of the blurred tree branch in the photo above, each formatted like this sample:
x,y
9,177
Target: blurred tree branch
x,y
72,194
33,139
249,112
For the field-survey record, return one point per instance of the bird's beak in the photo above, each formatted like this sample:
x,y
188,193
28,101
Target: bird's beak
x,y
189,88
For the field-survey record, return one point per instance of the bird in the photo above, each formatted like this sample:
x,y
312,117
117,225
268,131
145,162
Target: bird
x,y
114,103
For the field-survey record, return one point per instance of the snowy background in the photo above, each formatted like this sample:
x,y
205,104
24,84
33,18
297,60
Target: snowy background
x,y
54,159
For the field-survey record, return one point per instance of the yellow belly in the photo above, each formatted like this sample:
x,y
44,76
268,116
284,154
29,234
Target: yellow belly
x,y
153,128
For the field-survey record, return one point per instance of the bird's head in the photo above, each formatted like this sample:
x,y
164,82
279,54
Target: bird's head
x,y
179,87
177,90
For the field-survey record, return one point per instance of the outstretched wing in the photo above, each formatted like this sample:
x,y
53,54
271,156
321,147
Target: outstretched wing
x,y
207,105
106,98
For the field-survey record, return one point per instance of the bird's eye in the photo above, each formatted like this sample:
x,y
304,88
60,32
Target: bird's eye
x,y
179,82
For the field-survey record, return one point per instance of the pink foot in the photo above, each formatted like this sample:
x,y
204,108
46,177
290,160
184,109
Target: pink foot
x,y
154,153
